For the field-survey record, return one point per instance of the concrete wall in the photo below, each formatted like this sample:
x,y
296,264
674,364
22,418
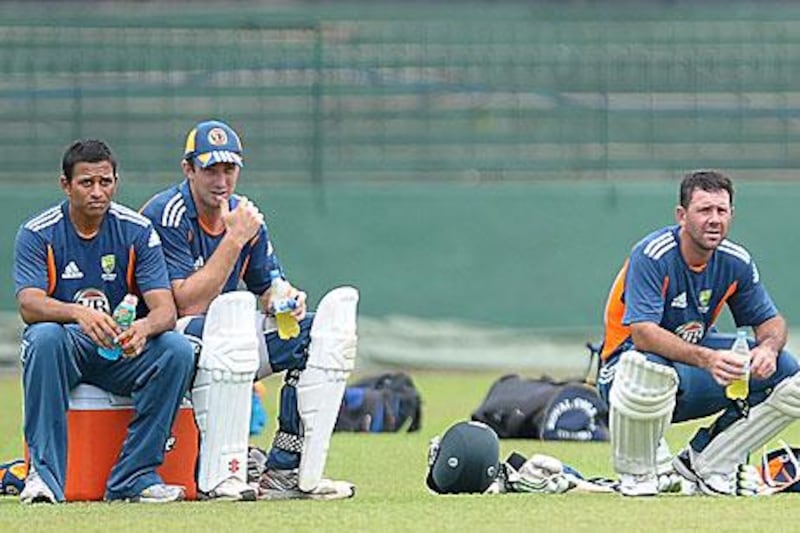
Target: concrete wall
x,y
533,255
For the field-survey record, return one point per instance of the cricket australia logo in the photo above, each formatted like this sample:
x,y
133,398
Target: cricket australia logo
x,y
691,331
108,263
705,299
217,137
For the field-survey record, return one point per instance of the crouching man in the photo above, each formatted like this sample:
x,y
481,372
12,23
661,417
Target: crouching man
x,y
663,362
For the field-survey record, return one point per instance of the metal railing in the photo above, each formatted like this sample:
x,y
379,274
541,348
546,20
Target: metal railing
x,y
467,92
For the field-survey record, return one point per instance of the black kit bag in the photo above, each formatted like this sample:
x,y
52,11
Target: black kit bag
x,y
383,403
544,408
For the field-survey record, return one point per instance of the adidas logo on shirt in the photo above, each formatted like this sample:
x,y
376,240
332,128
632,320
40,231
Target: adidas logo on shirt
x,y
679,301
71,271
154,240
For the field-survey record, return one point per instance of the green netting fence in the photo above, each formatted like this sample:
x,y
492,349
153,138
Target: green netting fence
x,y
472,91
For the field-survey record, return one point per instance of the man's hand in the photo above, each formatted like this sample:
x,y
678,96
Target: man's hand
x,y
763,362
133,339
99,326
300,297
725,366
243,223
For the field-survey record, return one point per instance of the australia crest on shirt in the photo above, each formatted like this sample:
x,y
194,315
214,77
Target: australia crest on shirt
x,y
108,263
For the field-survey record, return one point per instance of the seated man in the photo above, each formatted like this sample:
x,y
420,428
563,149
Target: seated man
x,y
663,362
73,264
215,240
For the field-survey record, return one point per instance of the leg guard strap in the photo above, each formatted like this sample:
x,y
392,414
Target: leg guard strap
x,y
288,442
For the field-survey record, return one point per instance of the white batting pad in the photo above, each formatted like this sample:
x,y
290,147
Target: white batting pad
x,y
320,387
642,399
222,390
663,457
730,448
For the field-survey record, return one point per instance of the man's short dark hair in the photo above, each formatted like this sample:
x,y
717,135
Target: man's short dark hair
x,y
706,180
86,151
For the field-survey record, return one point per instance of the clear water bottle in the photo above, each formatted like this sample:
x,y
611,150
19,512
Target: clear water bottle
x,y
740,388
283,305
124,315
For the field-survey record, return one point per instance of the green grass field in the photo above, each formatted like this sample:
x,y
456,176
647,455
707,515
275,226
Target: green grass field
x,y
389,470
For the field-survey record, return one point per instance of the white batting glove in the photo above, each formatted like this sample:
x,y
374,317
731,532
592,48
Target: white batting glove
x,y
748,481
543,474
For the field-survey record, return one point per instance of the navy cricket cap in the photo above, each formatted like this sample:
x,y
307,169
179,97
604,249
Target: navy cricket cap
x,y
213,142
465,460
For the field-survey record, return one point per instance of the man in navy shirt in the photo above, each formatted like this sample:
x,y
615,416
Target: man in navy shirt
x,y
216,241
662,360
73,263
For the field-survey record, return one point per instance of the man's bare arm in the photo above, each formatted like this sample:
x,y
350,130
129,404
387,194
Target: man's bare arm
x,y
194,294
770,339
723,365
36,306
162,313
772,333
650,337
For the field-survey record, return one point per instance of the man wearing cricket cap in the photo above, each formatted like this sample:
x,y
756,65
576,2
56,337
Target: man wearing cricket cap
x,y
214,240
213,142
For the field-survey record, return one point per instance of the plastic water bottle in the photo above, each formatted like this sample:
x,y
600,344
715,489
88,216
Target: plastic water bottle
x,y
740,388
124,315
282,306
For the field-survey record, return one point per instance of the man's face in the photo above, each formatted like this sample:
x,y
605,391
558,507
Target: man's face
x,y
214,184
91,189
706,219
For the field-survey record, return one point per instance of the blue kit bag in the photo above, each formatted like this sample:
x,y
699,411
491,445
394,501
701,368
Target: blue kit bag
x,y
384,403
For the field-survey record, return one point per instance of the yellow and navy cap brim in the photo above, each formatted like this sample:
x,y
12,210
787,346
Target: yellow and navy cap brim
x,y
218,156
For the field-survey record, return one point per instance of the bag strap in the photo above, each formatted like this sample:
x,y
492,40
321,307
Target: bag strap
x,y
593,367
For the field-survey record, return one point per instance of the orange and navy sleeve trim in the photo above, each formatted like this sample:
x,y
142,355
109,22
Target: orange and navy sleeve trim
x,y
51,271
616,332
130,275
728,293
